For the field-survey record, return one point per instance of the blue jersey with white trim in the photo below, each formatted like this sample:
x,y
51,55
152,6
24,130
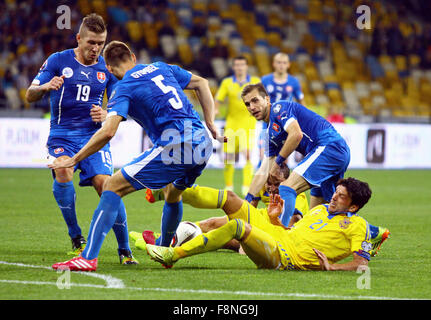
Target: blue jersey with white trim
x,y
288,90
316,130
152,94
83,86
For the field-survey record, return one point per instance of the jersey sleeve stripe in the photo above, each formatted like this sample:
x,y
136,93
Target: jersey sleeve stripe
x,y
59,105
288,122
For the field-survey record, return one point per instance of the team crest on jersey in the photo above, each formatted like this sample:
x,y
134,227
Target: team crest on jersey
x,y
58,150
275,127
344,224
101,77
67,72
289,88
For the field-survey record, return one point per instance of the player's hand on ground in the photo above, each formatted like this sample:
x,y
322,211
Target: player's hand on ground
x,y
62,163
323,260
54,84
97,113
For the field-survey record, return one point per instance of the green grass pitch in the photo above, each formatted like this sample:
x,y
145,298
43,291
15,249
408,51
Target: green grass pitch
x,y
34,236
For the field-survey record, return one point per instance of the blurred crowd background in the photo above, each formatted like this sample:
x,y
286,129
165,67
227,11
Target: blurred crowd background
x,y
382,72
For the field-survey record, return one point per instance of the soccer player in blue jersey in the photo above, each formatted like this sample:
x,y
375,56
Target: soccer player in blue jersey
x,y
279,85
152,95
76,81
291,126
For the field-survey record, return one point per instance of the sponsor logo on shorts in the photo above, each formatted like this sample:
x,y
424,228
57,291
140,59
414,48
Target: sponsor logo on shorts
x,y
58,150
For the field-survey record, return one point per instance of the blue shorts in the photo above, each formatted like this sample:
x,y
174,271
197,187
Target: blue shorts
x,y
324,166
98,163
162,165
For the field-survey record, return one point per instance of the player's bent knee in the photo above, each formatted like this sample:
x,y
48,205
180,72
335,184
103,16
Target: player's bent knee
x,y
64,174
118,184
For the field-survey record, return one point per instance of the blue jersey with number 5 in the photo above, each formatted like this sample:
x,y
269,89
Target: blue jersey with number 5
x,y
152,94
83,86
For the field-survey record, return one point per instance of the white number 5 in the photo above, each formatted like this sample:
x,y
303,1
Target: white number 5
x,y
176,102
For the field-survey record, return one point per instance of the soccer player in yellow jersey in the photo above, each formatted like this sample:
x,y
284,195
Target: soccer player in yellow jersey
x,y
327,234
210,198
240,125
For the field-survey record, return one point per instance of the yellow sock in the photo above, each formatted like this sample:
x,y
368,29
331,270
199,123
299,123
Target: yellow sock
x,y
228,173
204,197
247,174
212,240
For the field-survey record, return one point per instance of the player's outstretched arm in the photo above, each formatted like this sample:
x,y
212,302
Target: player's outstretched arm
x,y
203,92
96,142
261,176
349,266
36,92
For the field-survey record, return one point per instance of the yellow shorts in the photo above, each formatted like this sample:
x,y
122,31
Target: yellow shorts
x,y
266,243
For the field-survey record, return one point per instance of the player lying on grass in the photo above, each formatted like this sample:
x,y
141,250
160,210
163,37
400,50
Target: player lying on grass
x,y
210,198
326,235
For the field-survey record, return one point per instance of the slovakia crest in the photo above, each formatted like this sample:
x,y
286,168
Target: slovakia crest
x,y
101,77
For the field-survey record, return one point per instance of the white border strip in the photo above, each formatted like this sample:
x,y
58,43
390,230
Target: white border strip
x,y
114,283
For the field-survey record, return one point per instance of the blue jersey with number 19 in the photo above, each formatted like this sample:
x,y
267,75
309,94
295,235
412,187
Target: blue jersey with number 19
x,y
152,94
83,86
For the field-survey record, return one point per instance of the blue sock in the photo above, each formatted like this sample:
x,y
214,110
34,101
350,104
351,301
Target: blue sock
x,y
64,194
171,218
374,231
103,220
120,228
289,197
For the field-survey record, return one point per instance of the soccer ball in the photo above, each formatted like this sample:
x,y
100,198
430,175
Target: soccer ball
x,y
186,231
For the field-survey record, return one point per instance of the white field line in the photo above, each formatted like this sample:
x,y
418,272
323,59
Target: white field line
x,y
114,283
111,282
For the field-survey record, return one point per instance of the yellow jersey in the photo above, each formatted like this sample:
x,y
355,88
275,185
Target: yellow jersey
x,y
237,116
336,235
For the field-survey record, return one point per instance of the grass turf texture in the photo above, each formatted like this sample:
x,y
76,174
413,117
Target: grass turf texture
x,y
33,233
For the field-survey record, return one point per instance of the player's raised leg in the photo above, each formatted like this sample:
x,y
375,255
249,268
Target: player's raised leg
x,y
213,240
